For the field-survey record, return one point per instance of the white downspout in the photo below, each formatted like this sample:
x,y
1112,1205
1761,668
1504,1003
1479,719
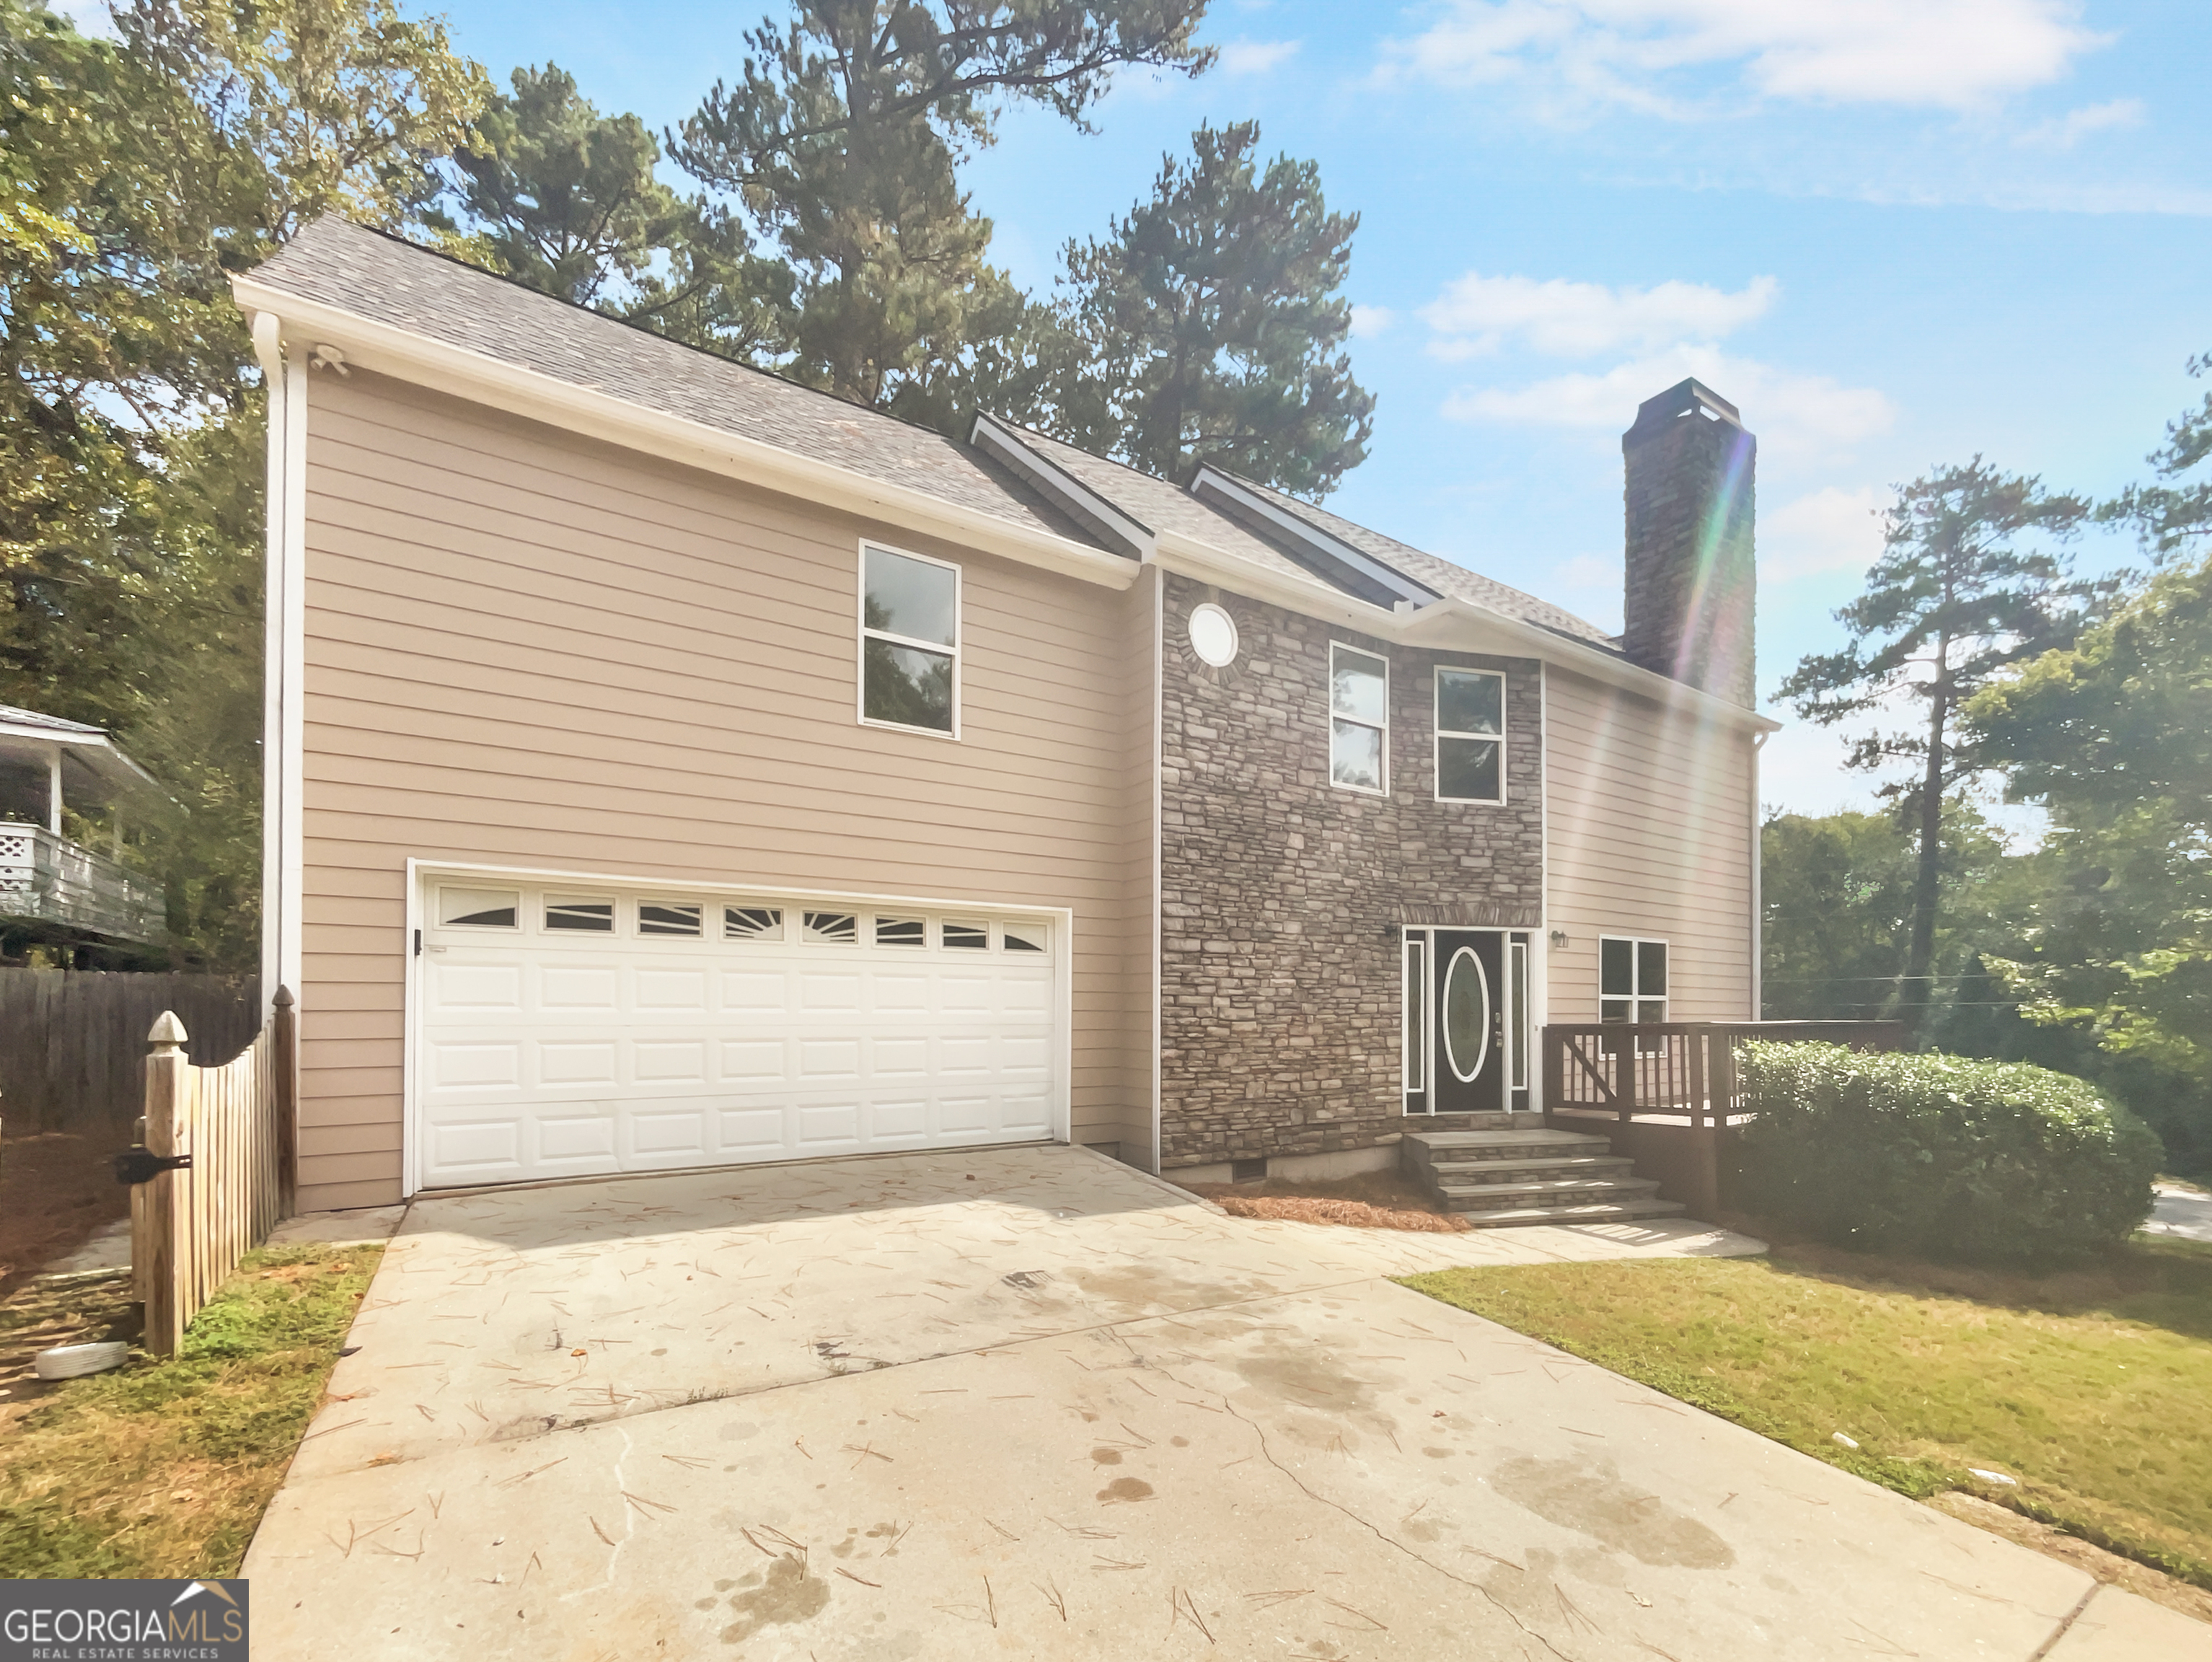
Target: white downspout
x,y
1758,903
284,647
54,789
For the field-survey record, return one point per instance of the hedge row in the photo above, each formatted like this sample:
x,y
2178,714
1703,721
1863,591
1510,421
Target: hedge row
x,y
1935,1155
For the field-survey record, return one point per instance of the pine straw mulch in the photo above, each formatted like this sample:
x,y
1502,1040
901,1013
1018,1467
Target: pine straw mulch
x,y
1373,1200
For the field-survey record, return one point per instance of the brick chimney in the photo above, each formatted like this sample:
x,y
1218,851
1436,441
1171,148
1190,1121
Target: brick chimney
x,y
1688,611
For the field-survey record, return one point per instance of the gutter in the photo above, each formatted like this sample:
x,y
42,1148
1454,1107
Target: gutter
x,y
387,349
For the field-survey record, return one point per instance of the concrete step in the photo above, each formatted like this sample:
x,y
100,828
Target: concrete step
x,y
1442,1148
1613,1212
1425,1124
1556,1191
1514,1170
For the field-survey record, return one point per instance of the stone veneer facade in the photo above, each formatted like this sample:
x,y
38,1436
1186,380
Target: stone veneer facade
x,y
1281,895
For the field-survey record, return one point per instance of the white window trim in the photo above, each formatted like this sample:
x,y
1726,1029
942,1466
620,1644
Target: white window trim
x,y
1634,974
1439,732
1335,647
862,635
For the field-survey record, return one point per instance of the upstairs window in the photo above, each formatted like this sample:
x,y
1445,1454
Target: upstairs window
x,y
1631,979
1358,720
1470,736
910,642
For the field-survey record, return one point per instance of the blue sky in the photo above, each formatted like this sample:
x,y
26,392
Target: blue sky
x,y
1897,232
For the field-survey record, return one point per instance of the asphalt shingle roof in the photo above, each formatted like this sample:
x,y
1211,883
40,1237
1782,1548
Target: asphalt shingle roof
x,y
387,280
393,282
1440,574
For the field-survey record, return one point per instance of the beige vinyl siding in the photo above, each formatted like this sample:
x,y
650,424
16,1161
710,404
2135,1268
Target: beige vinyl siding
x,y
1648,832
528,649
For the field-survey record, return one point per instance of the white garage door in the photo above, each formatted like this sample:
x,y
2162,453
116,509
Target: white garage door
x,y
567,1030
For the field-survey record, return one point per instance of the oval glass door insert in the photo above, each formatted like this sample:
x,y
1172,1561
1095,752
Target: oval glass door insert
x,y
1467,1015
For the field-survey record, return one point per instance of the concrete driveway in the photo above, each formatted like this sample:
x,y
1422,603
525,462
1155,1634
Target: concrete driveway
x,y
1030,1403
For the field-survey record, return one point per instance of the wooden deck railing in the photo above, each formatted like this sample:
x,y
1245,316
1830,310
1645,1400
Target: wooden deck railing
x,y
1676,1070
233,1126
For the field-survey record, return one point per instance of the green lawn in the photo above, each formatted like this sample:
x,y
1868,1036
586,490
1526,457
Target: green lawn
x,y
2094,1388
162,1469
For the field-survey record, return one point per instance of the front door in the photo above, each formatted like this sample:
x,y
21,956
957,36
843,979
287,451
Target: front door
x,y
1467,1020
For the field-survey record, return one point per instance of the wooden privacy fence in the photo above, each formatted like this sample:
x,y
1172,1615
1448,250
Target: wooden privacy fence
x,y
1666,1092
70,1055
215,1170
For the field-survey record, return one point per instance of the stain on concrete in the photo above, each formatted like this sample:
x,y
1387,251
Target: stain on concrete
x,y
1179,1442
785,1595
1309,1378
1589,1497
1106,1457
1134,1287
1125,1488
1440,1453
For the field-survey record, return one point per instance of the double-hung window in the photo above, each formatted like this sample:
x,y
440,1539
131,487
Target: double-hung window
x,y
1631,979
1470,736
1358,720
910,642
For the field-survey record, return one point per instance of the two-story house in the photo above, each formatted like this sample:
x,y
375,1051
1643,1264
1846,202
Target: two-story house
x,y
670,766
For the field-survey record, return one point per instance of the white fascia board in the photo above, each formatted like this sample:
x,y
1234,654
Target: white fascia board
x,y
95,750
1448,625
406,356
1005,442
1334,548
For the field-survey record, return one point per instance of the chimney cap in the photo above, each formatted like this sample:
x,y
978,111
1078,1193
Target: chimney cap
x,y
1690,397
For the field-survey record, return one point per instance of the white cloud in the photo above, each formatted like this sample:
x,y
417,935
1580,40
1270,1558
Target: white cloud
x,y
1790,413
1948,54
1476,314
1369,321
2070,129
1257,57
1829,530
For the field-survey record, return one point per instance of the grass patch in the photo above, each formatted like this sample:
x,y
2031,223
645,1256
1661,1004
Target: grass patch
x,y
2088,1387
162,1469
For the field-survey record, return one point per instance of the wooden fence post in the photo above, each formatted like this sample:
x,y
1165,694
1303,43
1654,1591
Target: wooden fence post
x,y
163,1246
284,1053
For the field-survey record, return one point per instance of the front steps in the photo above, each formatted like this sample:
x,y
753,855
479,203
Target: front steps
x,y
1500,1170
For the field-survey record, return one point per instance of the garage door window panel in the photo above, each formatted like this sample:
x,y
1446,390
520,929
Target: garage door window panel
x,y
910,642
752,923
570,913
664,917
479,908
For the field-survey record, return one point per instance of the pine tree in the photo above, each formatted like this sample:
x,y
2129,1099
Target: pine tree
x,y
1215,320
1960,594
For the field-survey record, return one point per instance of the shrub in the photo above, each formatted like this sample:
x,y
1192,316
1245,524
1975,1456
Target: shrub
x,y
1938,1156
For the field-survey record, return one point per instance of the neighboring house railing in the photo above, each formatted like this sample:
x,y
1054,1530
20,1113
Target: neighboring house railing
x,y
214,1168
1664,1091
51,879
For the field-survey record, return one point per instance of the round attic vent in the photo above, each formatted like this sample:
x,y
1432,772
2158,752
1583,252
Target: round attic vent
x,y
1213,635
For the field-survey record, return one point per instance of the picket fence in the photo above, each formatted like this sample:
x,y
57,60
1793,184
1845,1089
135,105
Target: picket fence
x,y
190,1224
